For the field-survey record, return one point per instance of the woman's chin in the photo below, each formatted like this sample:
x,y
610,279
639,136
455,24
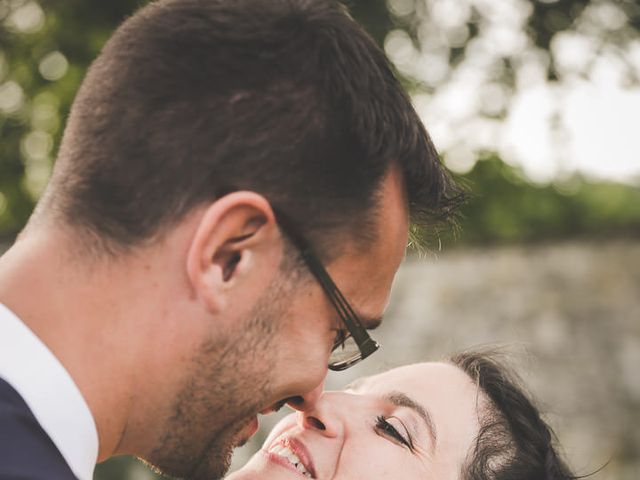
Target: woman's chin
x,y
244,474
259,468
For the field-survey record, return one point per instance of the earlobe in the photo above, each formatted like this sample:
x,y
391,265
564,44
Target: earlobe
x,y
229,231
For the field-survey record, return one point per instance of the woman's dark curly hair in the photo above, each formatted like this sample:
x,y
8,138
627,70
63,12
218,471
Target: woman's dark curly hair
x,y
514,442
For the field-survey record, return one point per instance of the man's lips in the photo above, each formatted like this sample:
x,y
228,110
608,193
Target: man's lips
x,y
280,450
274,408
247,432
251,428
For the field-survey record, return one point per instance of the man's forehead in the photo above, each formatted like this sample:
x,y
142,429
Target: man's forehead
x,y
365,275
366,289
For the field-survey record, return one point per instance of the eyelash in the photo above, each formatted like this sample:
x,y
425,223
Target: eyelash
x,y
387,429
341,336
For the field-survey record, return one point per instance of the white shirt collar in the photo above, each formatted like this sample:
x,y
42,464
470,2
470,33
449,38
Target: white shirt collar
x,y
47,388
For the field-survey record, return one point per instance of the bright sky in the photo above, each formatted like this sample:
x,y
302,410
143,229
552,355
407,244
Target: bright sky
x,y
587,127
588,122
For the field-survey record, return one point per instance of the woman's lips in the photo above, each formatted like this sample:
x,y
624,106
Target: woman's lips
x,y
278,452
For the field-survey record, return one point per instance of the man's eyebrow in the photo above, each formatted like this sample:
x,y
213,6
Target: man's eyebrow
x,y
371,323
400,399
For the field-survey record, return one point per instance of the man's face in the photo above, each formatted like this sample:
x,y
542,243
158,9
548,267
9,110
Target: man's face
x,y
216,406
364,276
279,351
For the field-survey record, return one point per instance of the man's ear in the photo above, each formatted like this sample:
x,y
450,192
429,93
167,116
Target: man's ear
x,y
232,230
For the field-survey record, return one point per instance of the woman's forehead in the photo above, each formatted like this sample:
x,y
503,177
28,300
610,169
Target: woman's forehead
x,y
449,397
414,376
440,387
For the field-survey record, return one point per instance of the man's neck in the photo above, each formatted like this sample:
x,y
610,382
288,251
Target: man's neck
x,y
77,312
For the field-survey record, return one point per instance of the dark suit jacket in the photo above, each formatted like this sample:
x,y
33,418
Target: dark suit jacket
x,y
26,451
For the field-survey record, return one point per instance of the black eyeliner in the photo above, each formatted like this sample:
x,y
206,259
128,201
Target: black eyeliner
x,y
382,422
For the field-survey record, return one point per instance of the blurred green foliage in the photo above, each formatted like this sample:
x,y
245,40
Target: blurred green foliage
x,y
47,45
505,207
45,49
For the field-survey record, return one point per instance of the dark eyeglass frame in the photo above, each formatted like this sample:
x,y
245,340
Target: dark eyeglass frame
x,y
348,316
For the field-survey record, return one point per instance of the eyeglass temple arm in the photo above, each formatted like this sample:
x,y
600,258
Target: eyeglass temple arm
x,y
358,332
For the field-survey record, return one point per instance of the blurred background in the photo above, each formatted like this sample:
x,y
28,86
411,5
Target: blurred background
x,y
535,105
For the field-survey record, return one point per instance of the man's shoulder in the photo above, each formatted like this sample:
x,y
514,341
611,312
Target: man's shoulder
x,y
26,451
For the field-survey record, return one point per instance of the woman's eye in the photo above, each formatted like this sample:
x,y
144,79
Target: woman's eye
x,y
385,428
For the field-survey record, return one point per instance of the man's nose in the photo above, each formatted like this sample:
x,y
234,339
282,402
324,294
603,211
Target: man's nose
x,y
327,416
307,401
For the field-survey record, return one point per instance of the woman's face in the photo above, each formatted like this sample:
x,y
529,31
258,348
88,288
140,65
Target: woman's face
x,y
417,421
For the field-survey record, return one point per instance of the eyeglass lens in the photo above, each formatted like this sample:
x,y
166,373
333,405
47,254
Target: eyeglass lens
x,y
344,354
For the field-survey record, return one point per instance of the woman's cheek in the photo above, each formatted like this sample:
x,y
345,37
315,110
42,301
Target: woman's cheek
x,y
373,461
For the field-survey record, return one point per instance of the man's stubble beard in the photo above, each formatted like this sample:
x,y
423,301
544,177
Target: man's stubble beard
x,y
228,385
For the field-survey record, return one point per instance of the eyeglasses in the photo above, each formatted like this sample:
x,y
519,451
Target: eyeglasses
x,y
348,348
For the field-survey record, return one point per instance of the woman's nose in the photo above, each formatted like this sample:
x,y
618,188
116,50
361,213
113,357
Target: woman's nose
x,y
326,417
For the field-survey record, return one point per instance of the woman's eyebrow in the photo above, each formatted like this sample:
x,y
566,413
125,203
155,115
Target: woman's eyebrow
x,y
400,399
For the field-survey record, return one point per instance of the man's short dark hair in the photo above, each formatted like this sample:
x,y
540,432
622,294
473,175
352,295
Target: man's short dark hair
x,y
193,99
